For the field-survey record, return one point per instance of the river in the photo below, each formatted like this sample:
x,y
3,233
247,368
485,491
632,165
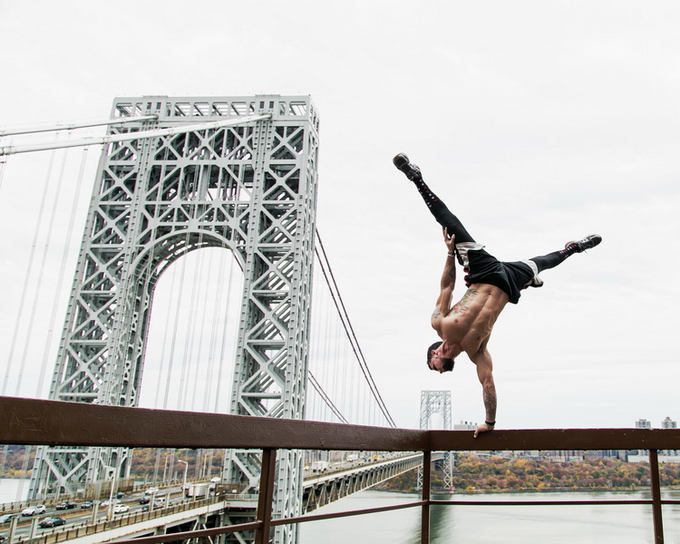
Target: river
x,y
601,524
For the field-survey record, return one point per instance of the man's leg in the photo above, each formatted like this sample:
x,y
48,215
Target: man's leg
x,y
441,213
551,260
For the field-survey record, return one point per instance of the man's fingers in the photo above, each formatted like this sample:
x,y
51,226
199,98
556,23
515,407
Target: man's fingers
x,y
448,236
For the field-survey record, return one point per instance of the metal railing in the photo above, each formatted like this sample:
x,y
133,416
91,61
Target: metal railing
x,y
37,422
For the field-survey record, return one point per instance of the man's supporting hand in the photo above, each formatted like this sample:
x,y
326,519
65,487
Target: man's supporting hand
x,y
484,428
450,241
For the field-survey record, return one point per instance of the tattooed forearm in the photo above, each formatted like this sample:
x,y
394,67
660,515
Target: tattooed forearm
x,y
489,394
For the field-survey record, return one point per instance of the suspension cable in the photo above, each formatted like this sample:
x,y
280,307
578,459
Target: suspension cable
x,y
73,126
174,332
3,164
325,397
214,331
27,276
114,138
349,330
41,271
223,346
166,329
62,269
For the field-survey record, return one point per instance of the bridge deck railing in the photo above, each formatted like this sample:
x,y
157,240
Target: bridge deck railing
x,y
39,422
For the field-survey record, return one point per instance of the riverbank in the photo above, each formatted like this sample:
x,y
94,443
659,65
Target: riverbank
x,y
472,474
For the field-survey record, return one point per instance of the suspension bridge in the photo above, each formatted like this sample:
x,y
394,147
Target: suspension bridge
x,y
204,209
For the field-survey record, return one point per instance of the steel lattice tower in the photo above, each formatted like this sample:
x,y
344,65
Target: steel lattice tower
x,y
247,184
431,403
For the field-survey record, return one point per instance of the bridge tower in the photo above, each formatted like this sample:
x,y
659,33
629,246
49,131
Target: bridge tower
x,y
233,172
431,403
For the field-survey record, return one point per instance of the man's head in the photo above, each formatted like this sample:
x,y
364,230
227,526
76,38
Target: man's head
x,y
436,360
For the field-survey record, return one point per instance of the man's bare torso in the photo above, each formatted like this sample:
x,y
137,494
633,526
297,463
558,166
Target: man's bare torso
x,y
468,325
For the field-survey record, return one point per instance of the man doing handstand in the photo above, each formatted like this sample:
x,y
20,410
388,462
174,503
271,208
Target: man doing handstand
x,y
466,326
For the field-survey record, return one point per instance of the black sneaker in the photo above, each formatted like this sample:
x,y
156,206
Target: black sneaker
x,y
588,242
411,170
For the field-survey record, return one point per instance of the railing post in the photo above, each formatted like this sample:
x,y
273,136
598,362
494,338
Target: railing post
x,y
425,520
656,496
266,498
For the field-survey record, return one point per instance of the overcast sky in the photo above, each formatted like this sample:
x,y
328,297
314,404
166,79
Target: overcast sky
x,y
536,122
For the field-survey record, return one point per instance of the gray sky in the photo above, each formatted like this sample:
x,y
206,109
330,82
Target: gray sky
x,y
536,122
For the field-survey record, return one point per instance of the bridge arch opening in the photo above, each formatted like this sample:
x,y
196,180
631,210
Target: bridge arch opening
x,y
191,345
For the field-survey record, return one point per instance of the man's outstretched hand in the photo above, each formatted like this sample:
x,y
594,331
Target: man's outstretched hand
x,y
483,428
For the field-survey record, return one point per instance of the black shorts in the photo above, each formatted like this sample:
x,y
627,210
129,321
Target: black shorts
x,y
511,277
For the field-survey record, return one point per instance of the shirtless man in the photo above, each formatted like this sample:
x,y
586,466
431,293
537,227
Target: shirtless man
x,y
466,326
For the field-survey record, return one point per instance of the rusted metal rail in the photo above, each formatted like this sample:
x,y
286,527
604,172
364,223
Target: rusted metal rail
x,y
39,422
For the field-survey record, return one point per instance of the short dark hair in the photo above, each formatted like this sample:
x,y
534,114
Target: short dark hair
x,y
448,362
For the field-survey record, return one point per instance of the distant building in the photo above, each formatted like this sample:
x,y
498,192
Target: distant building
x,y
668,456
465,426
668,423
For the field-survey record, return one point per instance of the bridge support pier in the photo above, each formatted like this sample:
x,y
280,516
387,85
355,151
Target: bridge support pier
x,y
437,403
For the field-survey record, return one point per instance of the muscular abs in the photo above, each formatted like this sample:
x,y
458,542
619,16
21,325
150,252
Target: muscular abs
x,y
469,323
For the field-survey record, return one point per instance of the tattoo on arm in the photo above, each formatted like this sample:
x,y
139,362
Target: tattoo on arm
x,y
460,306
436,313
489,394
467,295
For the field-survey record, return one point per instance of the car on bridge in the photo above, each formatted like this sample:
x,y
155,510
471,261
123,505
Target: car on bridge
x,y
121,509
33,510
159,502
6,518
87,504
52,521
66,505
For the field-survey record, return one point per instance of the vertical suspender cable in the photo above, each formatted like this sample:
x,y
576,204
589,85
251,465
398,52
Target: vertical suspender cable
x,y
24,290
190,325
171,358
223,347
62,269
2,171
214,332
166,329
200,324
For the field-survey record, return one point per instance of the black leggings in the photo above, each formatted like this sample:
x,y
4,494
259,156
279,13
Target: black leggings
x,y
455,228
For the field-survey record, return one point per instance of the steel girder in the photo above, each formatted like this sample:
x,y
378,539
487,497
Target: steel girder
x,y
331,488
250,188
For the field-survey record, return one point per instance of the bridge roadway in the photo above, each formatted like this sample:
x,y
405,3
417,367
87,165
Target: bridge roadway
x,y
319,489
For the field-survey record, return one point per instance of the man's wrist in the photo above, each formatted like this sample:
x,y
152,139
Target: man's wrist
x,y
490,423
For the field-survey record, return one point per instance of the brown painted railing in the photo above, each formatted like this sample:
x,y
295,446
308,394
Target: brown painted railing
x,y
36,422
